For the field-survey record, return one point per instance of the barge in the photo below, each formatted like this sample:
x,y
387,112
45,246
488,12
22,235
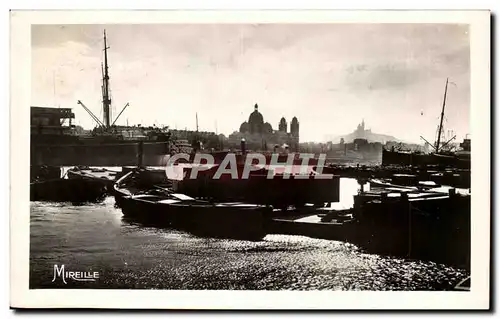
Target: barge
x,y
160,206
281,190
67,190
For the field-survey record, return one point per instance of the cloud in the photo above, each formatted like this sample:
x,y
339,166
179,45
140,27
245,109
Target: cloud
x,y
379,77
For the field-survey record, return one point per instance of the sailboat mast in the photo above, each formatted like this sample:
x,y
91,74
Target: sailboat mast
x,y
103,85
106,101
442,116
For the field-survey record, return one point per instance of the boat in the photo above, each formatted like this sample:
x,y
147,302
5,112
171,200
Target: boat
x,y
67,190
43,173
280,191
458,179
388,184
391,184
329,225
101,175
440,157
425,224
400,176
139,180
394,157
108,144
158,206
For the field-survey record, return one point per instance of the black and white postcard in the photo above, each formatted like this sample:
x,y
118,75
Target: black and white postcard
x,y
250,159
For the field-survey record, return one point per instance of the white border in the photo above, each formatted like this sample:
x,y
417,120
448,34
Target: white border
x,y
21,296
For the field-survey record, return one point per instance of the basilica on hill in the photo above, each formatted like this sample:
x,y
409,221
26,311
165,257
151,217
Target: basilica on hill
x,y
259,135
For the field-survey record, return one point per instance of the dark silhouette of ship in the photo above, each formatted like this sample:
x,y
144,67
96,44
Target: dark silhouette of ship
x,y
441,155
56,141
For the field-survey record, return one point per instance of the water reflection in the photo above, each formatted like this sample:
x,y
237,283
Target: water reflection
x,y
129,255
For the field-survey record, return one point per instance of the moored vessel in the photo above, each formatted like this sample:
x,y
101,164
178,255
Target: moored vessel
x,y
442,155
67,190
162,207
101,175
107,144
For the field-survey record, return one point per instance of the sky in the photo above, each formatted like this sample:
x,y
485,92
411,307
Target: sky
x,y
330,76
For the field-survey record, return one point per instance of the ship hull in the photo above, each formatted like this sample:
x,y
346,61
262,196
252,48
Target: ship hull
x,y
415,159
67,190
279,191
227,220
118,153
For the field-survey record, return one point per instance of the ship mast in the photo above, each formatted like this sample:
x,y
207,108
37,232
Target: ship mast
x,y
442,116
106,100
197,144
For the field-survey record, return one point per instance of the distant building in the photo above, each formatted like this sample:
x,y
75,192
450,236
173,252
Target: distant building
x,y
283,126
198,139
294,128
361,132
466,145
358,151
51,120
259,135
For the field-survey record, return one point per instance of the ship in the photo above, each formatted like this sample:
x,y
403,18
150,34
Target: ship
x,y
56,141
442,155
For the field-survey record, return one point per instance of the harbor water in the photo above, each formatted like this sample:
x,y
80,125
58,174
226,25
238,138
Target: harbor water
x,y
96,238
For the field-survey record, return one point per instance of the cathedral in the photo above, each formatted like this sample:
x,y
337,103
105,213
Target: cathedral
x,y
259,135
361,132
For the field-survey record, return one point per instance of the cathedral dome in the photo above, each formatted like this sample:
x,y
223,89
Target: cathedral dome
x,y
256,117
244,127
256,121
